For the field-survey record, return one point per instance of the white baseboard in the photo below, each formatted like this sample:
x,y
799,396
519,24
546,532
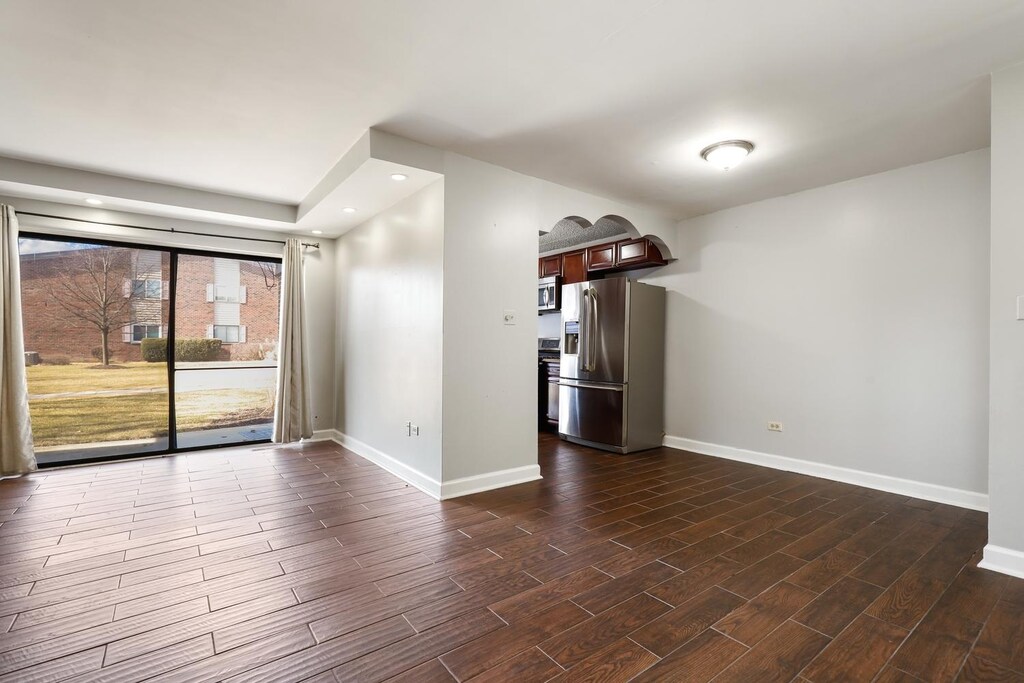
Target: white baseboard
x,y
1003,560
326,435
905,487
428,485
488,481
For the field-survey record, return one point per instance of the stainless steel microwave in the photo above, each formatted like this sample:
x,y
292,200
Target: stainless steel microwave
x,y
549,294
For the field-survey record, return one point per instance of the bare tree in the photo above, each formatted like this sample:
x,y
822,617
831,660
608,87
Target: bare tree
x,y
271,273
98,289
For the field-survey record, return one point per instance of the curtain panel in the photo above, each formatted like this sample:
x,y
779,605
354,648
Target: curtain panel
x,y
293,418
17,455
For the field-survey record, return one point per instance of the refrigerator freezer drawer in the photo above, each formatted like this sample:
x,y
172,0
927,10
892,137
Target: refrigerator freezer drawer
x,y
594,413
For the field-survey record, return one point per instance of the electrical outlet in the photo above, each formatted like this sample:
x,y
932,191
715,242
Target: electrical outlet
x,y
774,426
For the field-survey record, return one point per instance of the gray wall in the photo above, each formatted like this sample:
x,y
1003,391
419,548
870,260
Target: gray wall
x,y
492,216
1006,445
389,330
490,265
856,314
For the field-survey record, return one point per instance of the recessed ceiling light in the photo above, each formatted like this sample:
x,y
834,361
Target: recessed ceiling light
x,y
349,209
317,232
93,201
399,176
727,154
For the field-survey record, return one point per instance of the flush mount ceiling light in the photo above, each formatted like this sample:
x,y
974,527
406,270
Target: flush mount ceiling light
x,y
93,201
727,154
349,209
317,232
399,176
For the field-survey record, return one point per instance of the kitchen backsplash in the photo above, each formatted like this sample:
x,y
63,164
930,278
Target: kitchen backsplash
x,y
548,324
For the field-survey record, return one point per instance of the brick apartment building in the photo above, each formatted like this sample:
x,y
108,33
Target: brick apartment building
x,y
64,291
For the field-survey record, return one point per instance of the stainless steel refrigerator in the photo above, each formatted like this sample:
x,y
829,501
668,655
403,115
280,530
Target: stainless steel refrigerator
x,y
611,384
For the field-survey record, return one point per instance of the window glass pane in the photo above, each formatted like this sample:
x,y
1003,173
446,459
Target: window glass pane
x,y
226,333
91,393
226,356
224,405
153,289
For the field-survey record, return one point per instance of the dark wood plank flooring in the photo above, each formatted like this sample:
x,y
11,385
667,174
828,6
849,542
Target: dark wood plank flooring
x,y
310,563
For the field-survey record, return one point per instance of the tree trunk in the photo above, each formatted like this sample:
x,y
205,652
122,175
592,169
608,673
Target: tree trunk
x,y
104,352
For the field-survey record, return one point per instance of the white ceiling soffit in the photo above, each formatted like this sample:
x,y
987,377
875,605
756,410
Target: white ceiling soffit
x,y
361,179
261,98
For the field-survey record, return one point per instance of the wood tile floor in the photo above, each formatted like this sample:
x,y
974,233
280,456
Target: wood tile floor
x,y
292,564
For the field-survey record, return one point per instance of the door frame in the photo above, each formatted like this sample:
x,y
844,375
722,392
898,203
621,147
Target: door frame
x,y
173,252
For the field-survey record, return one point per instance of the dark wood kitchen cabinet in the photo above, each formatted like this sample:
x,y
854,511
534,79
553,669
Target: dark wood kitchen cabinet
x,y
550,266
574,267
586,264
601,257
638,253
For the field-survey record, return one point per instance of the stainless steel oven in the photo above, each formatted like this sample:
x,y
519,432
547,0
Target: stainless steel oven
x,y
549,294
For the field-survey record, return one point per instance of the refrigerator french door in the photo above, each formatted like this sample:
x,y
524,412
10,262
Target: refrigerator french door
x,y
611,383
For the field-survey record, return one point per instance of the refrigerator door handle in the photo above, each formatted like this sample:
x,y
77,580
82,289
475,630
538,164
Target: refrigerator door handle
x,y
583,358
592,318
590,385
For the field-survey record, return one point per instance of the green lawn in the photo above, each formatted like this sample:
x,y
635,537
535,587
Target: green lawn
x,y
58,422
89,419
53,379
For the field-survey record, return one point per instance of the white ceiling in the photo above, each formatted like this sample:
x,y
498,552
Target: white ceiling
x,y
260,98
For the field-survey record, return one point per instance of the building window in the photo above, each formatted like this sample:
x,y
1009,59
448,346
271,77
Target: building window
x,y
225,294
229,334
147,289
140,332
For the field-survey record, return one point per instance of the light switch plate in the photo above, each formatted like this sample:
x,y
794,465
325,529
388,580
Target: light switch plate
x,y
509,316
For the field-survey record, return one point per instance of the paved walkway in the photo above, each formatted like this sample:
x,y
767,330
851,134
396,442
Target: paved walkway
x,y
241,376
98,392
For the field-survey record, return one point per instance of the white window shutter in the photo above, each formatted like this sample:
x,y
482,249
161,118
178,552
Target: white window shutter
x,y
165,290
241,334
126,288
209,293
209,331
242,294
126,334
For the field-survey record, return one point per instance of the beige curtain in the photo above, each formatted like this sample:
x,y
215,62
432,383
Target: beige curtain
x,y
293,417
16,453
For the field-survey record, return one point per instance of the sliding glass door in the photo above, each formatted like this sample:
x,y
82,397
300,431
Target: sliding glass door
x,y
226,330
134,350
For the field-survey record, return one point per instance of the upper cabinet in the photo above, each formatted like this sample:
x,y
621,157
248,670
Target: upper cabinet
x,y
574,267
638,253
578,266
601,257
550,266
